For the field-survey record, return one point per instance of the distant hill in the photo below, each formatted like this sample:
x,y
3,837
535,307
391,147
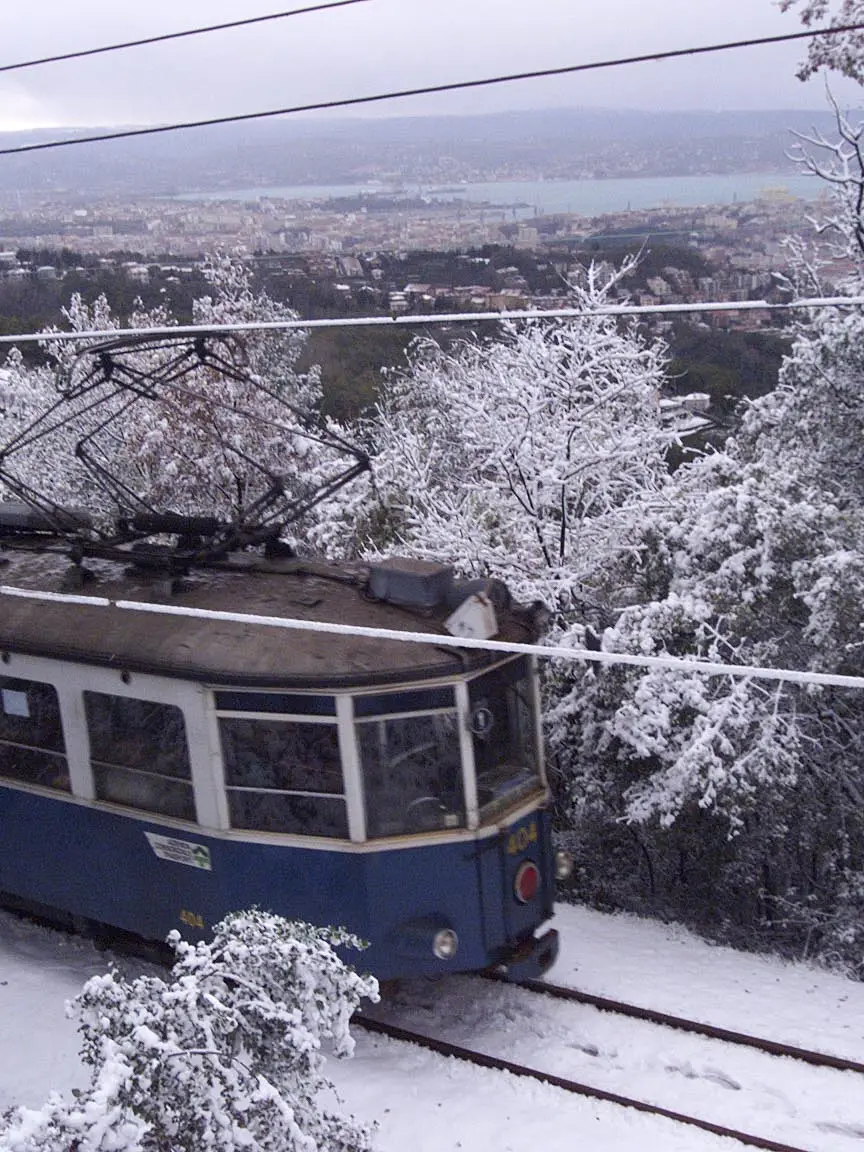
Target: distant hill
x,y
557,143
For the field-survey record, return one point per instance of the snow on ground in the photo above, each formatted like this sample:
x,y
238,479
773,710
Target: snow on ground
x,y
665,967
782,1099
426,1102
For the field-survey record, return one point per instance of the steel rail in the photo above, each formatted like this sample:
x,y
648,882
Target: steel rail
x,y
482,1060
743,1039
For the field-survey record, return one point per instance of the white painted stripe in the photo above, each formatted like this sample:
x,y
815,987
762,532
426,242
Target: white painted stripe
x,y
527,807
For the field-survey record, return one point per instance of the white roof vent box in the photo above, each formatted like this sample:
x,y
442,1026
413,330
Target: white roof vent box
x,y
409,583
474,619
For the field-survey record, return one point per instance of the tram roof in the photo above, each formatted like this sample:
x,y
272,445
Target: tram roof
x,y
233,653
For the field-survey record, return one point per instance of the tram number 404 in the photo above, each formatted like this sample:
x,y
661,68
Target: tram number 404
x,y
519,840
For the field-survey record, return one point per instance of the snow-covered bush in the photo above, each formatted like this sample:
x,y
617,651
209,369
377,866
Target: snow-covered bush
x,y
225,1056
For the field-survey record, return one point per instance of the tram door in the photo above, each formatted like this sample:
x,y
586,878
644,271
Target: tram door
x,y
514,864
141,759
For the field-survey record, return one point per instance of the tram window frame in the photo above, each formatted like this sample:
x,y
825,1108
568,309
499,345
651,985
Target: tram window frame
x,y
414,701
166,792
496,795
267,807
431,808
42,759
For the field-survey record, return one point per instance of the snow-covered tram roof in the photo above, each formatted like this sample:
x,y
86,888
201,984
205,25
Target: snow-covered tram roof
x,y
226,652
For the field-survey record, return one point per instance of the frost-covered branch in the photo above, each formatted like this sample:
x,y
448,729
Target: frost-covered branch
x,y
843,52
207,444
197,1064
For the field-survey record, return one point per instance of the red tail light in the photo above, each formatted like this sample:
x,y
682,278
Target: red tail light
x,y
526,884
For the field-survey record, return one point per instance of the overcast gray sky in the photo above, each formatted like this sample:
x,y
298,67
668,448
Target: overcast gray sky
x,y
384,44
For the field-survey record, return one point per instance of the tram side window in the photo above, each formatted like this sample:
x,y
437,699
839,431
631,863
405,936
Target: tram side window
x,y
284,776
31,734
139,754
412,773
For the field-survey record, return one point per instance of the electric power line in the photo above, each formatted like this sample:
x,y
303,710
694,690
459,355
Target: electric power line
x,y
432,89
412,320
176,35
572,654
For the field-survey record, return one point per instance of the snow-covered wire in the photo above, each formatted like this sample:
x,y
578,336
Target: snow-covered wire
x,y
410,320
558,652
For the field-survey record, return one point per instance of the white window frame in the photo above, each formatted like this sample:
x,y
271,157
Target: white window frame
x,y
347,756
71,681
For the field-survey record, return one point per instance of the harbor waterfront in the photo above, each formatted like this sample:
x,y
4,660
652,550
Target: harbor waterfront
x,y
540,197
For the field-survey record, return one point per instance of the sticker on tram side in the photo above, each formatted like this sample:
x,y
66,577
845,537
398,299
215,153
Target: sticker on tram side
x,y
15,703
180,851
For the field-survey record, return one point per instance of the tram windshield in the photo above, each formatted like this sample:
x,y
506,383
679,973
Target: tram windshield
x,y
411,761
503,727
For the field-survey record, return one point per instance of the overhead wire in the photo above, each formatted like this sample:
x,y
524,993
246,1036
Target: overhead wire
x,y
199,31
408,319
558,652
431,89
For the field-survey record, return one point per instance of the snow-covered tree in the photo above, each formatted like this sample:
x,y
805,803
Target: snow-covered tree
x,y
843,52
530,457
746,792
225,1056
209,443
718,586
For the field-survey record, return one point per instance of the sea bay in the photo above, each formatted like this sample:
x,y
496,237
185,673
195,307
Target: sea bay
x,y
521,198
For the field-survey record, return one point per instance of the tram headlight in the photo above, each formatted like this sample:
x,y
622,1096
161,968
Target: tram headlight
x,y
563,865
445,944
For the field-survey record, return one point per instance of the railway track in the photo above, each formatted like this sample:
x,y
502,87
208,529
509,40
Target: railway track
x,y
742,1039
482,1060
558,992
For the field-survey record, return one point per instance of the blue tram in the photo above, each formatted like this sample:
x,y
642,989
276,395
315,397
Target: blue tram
x,y
158,772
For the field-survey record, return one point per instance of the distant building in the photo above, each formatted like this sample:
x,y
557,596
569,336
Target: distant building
x,y
658,286
138,273
506,299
